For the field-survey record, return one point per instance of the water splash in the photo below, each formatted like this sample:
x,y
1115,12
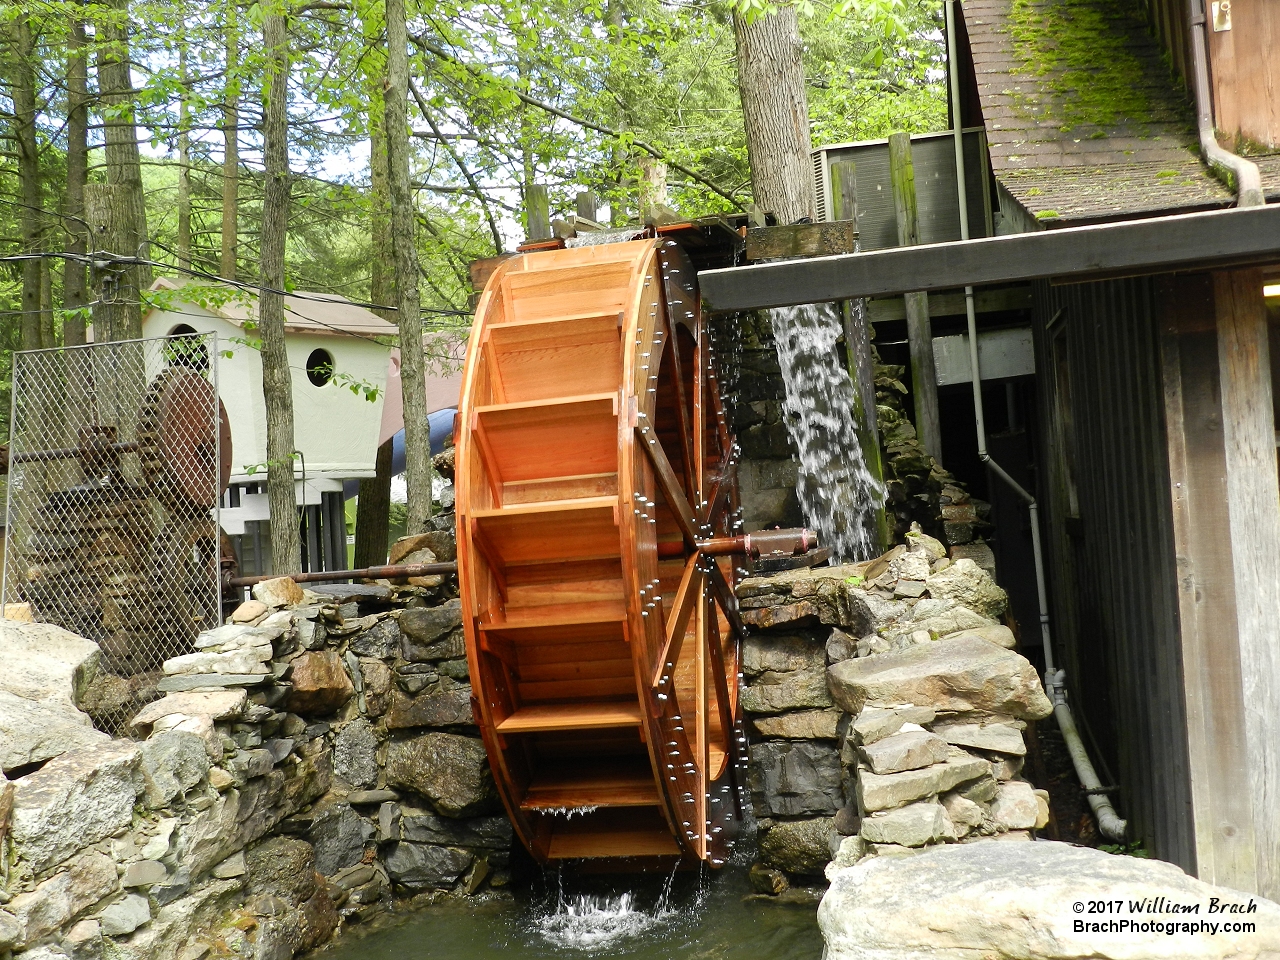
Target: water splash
x,y
589,923
569,812
835,488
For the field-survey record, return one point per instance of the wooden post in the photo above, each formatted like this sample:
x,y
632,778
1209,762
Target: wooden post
x,y
924,377
537,212
1222,815
857,339
584,206
1248,428
653,190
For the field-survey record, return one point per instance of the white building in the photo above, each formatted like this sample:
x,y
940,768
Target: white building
x,y
339,355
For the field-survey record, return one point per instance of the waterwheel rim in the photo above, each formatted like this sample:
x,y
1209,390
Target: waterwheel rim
x,y
594,466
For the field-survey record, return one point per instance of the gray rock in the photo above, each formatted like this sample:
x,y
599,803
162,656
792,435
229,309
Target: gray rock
x,y
1000,635
490,833
966,582
355,754
841,646
360,798
782,654
46,664
966,675
239,661
908,750
911,826
381,641
173,762
997,737
278,592
84,940
353,877
964,813
422,626
247,764
179,922
876,723
417,866
1013,901
798,846
125,916
214,704
233,866
73,801
339,835
1015,806
801,725
895,789
279,748
444,708
284,867
144,873
455,669
208,681
31,732
450,770
54,902
779,692
794,779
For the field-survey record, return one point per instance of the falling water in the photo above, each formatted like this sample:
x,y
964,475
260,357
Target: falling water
x,y
835,488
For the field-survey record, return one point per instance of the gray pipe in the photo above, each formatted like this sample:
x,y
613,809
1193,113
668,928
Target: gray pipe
x,y
1110,824
1248,181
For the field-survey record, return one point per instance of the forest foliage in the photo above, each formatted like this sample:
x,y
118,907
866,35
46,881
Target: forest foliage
x,y
504,93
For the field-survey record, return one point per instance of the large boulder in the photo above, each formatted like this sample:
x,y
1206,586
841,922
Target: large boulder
x,y
1025,901
450,770
428,632
211,704
32,732
798,846
418,866
355,750
75,800
968,583
173,761
778,692
86,880
795,779
962,675
446,707
45,663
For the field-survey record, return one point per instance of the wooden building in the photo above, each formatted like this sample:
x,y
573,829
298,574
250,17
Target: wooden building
x,y
1154,412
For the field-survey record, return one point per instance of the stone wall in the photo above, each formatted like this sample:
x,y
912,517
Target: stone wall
x,y
312,760
888,711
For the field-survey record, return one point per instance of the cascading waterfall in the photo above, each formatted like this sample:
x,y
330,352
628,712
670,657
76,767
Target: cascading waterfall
x,y
836,490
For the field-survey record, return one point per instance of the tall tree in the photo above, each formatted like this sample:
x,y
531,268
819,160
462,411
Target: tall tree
x,y
231,142
277,382
184,155
22,83
775,112
75,291
124,166
413,371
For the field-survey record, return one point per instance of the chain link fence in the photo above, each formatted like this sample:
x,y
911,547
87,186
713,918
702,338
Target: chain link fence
x,y
118,454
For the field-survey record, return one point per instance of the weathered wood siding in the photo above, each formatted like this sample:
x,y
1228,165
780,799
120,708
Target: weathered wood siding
x,y
1109,534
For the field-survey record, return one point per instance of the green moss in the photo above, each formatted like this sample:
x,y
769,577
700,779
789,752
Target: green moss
x,y
1034,192
1046,214
1078,50
1169,173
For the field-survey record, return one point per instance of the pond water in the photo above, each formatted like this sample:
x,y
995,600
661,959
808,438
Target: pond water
x,y
685,916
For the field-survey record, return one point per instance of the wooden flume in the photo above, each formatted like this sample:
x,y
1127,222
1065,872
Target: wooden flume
x,y
603,642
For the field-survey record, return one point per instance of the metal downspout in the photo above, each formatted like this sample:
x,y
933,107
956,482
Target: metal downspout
x,y
1248,181
1110,823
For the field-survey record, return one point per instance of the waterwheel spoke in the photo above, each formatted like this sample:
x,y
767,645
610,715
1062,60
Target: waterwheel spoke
x,y
699,416
719,492
667,480
682,409
721,678
705,614
728,603
682,607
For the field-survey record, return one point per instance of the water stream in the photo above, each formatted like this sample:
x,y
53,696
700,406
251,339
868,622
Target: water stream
x,y
835,488
683,916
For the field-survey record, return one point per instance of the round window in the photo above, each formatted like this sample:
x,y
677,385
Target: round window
x,y
320,367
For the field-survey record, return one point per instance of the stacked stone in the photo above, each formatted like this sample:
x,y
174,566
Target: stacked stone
x,y
312,758
888,709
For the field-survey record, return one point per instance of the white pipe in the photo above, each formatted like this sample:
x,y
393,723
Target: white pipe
x,y
1110,824
1248,180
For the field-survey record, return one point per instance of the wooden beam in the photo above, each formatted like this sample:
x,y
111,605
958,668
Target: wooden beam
x,y
684,515
1253,505
802,240
537,212
1157,245
1222,815
951,303
924,382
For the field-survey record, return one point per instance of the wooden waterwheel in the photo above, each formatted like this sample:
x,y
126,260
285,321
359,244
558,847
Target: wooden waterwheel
x,y
596,491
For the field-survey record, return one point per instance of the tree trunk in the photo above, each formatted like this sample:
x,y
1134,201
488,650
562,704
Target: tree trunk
x,y
48,329
23,89
775,113
184,161
413,372
109,214
277,383
231,145
373,503
120,139
74,288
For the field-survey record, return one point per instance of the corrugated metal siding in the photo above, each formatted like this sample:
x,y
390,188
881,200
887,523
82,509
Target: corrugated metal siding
x,y
1115,604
